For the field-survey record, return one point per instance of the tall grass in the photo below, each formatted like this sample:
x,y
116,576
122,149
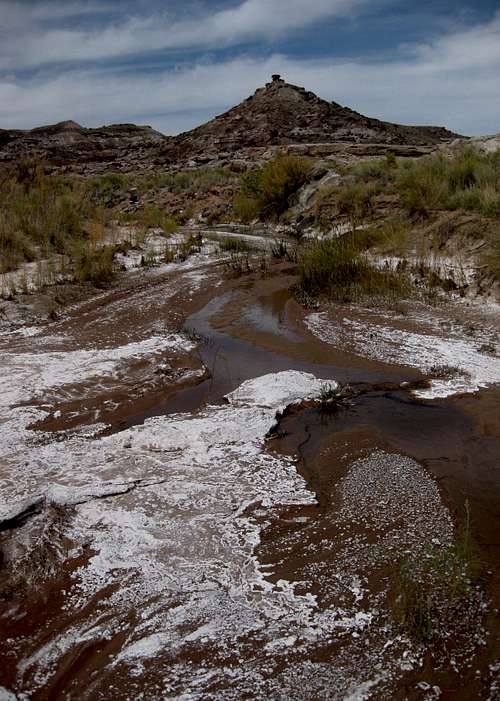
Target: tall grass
x,y
94,265
268,192
235,245
336,268
468,180
39,216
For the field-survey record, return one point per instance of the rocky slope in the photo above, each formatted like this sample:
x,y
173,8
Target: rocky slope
x,y
68,143
279,114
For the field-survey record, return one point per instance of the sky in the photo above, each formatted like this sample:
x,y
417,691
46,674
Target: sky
x,y
174,64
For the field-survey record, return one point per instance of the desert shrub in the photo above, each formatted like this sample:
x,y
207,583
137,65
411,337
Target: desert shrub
x,y
152,217
355,200
422,186
94,265
15,247
469,179
190,245
351,198
268,192
380,168
391,235
199,180
337,269
39,216
246,206
108,189
477,198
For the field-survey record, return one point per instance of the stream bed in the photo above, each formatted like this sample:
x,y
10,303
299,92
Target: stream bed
x,y
182,518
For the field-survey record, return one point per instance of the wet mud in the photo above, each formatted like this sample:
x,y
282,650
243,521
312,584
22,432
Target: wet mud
x,y
197,546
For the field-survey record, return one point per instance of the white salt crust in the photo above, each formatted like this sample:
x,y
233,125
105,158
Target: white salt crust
x,y
424,351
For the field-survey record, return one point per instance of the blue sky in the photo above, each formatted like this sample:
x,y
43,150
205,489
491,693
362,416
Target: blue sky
x,y
174,64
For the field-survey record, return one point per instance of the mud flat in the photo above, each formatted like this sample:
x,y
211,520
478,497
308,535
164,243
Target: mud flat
x,y
183,514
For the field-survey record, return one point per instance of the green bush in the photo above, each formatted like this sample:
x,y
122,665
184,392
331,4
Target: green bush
x,y
423,187
355,200
152,217
108,189
39,216
268,192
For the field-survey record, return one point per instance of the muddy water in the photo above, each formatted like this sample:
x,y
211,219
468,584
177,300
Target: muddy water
x,y
250,331
227,571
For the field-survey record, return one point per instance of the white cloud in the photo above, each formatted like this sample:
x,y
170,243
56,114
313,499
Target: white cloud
x,y
451,82
16,15
477,47
251,19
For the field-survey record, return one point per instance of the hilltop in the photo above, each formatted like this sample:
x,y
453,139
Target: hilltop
x,y
282,114
277,115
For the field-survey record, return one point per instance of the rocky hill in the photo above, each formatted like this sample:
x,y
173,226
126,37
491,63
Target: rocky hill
x,y
277,115
281,114
68,143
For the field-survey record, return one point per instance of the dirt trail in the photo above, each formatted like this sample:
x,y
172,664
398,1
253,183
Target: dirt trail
x,y
156,544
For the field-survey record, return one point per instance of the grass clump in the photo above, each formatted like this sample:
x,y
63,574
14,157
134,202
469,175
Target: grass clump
x,y
283,250
336,268
329,395
435,591
188,247
239,263
269,191
152,217
235,245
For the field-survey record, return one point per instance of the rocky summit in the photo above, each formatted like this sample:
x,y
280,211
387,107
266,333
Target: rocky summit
x,y
281,114
277,115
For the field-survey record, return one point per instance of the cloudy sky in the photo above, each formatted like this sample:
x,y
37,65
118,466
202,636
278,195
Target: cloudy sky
x,y
176,63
